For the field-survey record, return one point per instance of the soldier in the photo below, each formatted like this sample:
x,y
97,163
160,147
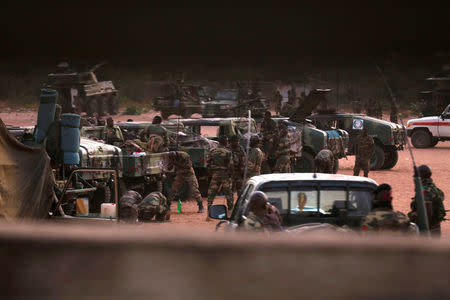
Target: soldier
x,y
434,198
365,148
220,166
257,210
154,205
382,217
155,139
282,153
278,99
292,95
268,131
184,174
324,161
128,206
255,158
238,163
111,133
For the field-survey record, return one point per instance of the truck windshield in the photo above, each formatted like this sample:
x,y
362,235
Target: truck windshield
x,y
323,201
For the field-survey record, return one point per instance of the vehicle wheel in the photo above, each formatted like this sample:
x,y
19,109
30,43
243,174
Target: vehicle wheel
x,y
434,142
377,160
421,139
304,164
391,159
91,106
336,165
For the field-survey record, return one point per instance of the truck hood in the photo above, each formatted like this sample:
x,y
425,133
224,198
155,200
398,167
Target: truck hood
x,y
423,120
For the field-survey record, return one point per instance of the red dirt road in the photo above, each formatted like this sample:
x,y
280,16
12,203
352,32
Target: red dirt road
x,y
399,177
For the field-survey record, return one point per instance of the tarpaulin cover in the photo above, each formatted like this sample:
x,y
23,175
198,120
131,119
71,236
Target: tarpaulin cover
x,y
26,179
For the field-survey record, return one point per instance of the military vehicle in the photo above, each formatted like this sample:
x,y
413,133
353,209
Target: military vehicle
x,y
82,92
187,100
180,139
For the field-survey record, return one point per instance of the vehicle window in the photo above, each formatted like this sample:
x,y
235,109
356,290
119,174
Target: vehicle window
x,y
242,202
328,199
209,130
359,202
303,201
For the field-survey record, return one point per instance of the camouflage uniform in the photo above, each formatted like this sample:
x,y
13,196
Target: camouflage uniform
x,y
255,158
239,164
282,153
220,164
157,138
185,174
385,219
253,223
434,197
324,161
268,131
112,135
365,148
128,206
155,204
278,102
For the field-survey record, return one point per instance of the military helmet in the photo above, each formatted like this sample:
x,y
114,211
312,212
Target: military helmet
x,y
424,171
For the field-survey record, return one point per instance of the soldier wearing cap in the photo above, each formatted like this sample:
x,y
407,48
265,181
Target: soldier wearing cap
x,y
383,217
434,204
184,174
111,133
365,148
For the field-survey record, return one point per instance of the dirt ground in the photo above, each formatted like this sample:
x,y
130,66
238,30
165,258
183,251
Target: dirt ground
x,y
399,177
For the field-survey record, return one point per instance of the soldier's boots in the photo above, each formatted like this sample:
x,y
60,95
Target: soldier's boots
x,y
200,207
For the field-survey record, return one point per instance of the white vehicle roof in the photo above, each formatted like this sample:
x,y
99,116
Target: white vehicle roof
x,y
260,179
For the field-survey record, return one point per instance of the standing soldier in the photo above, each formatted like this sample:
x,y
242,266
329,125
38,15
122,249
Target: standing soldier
x,y
278,99
220,166
268,132
238,163
255,158
111,133
383,217
434,198
292,96
184,174
282,153
365,148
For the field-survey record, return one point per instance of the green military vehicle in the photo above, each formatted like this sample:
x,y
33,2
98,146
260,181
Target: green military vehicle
x,y
82,92
180,139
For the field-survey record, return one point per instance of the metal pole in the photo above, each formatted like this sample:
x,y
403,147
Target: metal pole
x,y
337,91
248,142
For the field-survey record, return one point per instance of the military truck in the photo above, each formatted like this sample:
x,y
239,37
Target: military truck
x,y
82,92
180,139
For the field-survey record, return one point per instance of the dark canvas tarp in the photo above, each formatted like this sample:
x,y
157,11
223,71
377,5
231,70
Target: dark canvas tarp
x,y
26,179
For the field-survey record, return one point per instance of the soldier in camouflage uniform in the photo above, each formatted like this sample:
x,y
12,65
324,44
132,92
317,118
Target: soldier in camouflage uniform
x,y
255,158
324,161
434,198
257,209
154,205
268,131
220,166
128,206
111,133
282,153
184,174
238,162
365,148
278,99
382,217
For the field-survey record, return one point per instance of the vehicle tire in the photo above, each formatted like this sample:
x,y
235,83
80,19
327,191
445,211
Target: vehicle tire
x,y
434,142
304,164
336,165
421,139
377,160
91,106
391,159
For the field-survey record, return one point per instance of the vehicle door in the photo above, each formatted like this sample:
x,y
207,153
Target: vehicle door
x,y
346,123
444,123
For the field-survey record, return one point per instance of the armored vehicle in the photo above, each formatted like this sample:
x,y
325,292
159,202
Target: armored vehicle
x,y
330,198
82,92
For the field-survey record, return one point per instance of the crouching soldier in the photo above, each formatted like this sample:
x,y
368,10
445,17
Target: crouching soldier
x,y
324,161
154,205
128,206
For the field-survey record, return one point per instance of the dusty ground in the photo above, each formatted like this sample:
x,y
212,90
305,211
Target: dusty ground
x,y
400,177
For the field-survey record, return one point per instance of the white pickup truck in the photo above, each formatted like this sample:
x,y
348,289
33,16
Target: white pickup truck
x,y
427,132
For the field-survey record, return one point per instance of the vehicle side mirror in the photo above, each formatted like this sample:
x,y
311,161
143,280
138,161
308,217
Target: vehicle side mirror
x,y
218,212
